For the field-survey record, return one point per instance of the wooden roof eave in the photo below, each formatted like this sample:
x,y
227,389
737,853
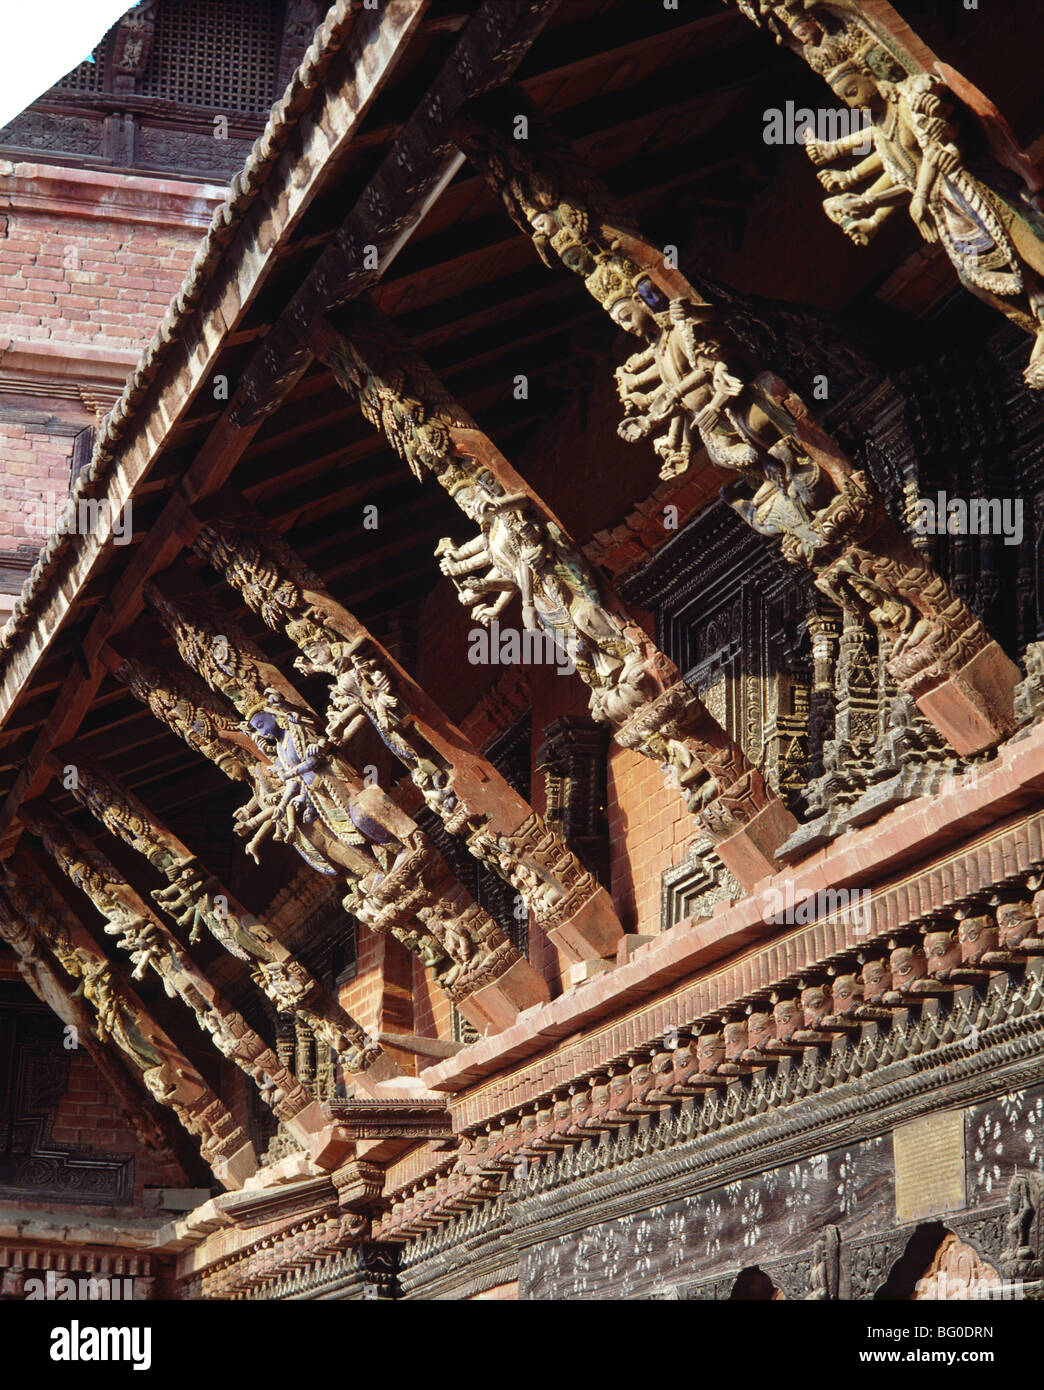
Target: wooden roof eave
x,y
348,64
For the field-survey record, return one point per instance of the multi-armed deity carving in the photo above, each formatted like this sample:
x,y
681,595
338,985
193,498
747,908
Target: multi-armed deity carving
x,y
522,551
517,551
370,690
690,386
309,796
926,146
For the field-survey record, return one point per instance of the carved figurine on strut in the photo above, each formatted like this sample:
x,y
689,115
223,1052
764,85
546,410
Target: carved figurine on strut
x,y
916,151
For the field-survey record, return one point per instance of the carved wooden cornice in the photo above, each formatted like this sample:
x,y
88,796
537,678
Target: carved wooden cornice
x,y
885,985
392,1119
835,1097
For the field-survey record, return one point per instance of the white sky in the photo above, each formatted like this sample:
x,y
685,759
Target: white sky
x,y
42,40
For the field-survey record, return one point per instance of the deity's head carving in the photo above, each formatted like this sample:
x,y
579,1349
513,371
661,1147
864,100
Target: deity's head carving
x,y
854,85
803,26
543,223
265,723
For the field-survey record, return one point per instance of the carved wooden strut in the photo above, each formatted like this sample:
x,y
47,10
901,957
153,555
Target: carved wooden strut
x,y
370,688
522,549
690,387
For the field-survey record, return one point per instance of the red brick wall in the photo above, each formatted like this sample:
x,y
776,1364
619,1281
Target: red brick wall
x,y
87,1115
35,470
379,998
432,1011
89,262
649,831
80,280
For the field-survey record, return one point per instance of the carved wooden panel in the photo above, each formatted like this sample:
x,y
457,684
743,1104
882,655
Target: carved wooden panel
x,y
221,54
755,1222
1002,1137
732,617
32,1165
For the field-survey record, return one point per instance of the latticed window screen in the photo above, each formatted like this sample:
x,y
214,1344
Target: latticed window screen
x,y
221,54
82,450
88,76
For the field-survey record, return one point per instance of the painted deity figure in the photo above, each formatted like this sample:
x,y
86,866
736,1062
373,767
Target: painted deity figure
x,y
310,796
680,388
304,794
992,234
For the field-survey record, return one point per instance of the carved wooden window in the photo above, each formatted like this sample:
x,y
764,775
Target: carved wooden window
x,y
82,449
88,76
732,616
221,54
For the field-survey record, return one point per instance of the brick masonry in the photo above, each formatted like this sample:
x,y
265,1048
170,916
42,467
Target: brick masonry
x,y
87,1117
89,261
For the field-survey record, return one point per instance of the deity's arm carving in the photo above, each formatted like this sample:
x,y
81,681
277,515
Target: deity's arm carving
x,y
926,123
690,387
